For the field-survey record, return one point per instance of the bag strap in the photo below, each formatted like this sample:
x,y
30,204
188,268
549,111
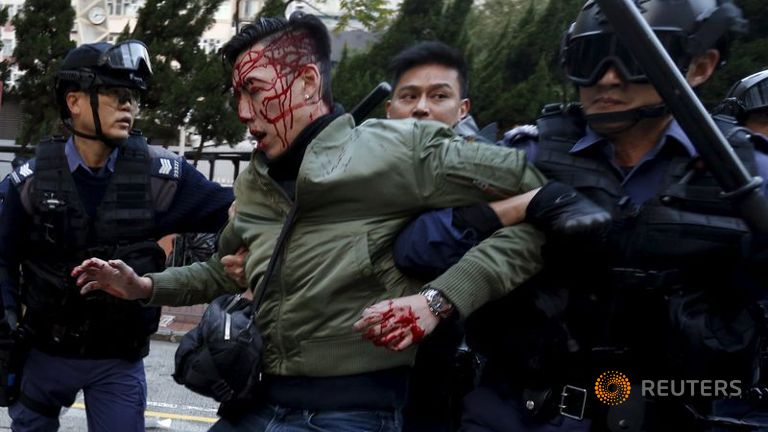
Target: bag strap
x,y
284,232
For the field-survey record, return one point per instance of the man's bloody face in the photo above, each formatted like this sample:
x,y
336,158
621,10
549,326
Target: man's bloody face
x,y
272,97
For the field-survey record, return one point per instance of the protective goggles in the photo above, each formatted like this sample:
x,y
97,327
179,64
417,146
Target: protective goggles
x,y
121,94
755,97
128,55
587,58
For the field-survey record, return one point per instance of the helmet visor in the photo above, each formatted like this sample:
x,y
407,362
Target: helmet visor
x,y
129,55
756,97
587,58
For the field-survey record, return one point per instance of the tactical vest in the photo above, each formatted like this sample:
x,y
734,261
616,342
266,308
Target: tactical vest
x,y
665,279
97,325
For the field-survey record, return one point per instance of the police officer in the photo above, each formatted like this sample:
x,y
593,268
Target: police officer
x,y
746,104
6,182
104,192
664,294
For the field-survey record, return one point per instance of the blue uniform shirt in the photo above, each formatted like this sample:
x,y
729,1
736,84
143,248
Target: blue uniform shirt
x,y
4,185
74,160
431,241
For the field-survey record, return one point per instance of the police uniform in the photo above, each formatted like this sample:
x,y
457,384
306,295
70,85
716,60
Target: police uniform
x,y
59,212
665,294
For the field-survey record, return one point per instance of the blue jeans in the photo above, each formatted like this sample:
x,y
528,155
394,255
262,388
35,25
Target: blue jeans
x,y
115,393
271,418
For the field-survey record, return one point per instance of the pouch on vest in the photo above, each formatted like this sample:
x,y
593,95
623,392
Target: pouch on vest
x,y
13,354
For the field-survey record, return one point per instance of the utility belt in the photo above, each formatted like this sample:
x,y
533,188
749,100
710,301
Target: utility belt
x,y
641,280
577,398
86,339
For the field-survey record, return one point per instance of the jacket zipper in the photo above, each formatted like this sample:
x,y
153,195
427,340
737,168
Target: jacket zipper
x,y
279,342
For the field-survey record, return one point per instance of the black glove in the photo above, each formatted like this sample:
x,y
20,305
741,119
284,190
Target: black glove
x,y
561,209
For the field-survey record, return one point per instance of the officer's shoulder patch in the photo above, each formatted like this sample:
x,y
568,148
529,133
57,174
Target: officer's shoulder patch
x,y
22,173
165,164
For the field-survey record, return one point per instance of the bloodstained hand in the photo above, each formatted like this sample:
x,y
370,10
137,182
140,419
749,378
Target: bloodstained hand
x,y
397,324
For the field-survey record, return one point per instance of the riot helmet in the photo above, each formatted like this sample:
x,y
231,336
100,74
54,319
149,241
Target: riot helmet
x,y
686,28
97,66
746,96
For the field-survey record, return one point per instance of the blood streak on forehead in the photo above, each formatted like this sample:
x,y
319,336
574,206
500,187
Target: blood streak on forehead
x,y
286,56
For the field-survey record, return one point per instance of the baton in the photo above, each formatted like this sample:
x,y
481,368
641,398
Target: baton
x,y
738,185
371,101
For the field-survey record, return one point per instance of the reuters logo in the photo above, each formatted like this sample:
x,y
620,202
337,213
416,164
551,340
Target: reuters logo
x,y
612,388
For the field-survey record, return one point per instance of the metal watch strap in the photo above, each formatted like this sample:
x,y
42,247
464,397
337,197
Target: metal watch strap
x,y
440,306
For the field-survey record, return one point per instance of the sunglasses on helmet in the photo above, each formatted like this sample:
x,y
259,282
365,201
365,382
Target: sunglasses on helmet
x,y
587,58
130,55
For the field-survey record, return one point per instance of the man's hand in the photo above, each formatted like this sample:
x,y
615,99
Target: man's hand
x,y
398,323
561,209
234,266
114,277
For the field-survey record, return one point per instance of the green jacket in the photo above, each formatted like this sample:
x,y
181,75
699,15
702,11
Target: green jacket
x,y
356,189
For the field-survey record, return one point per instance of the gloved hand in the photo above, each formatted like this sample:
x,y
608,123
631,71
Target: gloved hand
x,y
559,208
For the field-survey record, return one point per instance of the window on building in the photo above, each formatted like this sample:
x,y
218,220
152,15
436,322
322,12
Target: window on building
x,y
210,45
8,45
123,7
223,13
249,9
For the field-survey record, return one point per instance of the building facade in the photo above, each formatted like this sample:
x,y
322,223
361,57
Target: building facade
x,y
104,20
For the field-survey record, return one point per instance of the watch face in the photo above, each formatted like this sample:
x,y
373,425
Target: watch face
x,y
97,15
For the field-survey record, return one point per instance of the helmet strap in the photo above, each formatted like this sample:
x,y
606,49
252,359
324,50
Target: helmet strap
x,y
628,119
94,98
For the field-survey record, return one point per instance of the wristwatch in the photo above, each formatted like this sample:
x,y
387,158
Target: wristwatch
x,y
437,302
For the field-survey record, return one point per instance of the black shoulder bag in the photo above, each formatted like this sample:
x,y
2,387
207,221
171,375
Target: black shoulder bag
x,y
221,357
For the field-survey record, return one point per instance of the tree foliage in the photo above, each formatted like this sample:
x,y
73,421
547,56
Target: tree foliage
x,y
42,41
188,84
512,47
4,64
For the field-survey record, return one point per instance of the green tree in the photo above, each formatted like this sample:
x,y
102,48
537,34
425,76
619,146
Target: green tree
x,y
4,64
42,35
516,74
272,8
188,84
213,115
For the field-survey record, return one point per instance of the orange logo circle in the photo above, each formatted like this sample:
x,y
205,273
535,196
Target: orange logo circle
x,y
612,388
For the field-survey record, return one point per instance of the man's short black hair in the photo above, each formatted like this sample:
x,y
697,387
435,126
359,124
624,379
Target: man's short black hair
x,y
266,28
431,52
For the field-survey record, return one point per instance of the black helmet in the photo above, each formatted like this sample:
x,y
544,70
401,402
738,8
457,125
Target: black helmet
x,y
750,94
91,66
686,28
